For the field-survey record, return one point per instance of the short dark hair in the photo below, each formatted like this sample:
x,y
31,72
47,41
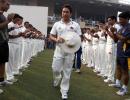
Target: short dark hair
x,y
112,17
21,17
97,26
17,16
67,6
125,15
26,22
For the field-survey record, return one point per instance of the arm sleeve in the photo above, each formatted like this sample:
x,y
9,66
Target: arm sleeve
x,y
53,30
78,30
128,33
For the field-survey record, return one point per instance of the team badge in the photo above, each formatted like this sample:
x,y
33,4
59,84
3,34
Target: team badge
x,y
71,28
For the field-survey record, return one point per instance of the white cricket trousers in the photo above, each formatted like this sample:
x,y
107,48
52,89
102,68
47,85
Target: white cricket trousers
x,y
63,67
102,58
110,61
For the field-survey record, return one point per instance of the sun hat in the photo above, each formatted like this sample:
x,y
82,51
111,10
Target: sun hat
x,y
72,42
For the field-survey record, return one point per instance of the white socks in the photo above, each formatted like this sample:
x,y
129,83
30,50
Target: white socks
x,y
124,87
118,82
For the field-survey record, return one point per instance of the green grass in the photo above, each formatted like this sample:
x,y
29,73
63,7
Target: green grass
x,y
36,84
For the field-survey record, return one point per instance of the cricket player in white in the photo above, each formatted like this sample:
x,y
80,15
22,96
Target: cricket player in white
x,y
88,38
84,55
12,65
63,62
102,45
111,49
95,54
85,47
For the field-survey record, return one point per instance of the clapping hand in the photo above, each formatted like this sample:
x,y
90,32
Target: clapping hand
x,y
112,29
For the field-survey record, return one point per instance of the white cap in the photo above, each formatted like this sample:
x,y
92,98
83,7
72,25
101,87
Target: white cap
x,y
72,42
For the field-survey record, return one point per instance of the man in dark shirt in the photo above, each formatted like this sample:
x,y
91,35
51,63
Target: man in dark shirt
x,y
4,50
123,53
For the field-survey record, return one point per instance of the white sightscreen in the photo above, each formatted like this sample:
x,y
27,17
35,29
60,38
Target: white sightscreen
x,y
37,16
118,15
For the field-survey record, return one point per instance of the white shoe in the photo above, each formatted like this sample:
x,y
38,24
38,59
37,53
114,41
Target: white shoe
x,y
13,80
4,83
100,74
77,71
64,95
108,81
95,70
1,91
122,92
105,77
115,85
83,62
